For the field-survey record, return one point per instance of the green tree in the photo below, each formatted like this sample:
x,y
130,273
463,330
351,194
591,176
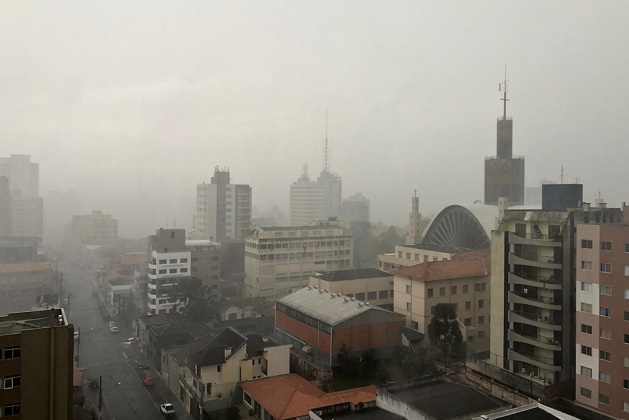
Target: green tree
x,y
193,297
444,325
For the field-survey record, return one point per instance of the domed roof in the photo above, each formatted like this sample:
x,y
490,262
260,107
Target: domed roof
x,y
462,226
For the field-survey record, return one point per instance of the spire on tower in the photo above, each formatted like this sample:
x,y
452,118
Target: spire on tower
x,y
326,162
502,87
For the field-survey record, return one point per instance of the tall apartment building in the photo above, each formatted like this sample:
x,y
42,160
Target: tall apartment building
x,y
223,209
172,258
94,229
37,350
504,173
5,207
27,207
355,209
602,336
463,280
279,260
533,286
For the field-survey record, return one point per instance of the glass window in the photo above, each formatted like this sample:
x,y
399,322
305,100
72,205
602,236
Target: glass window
x,y
606,290
586,307
586,243
466,288
605,355
586,371
408,306
606,268
606,246
586,350
453,290
586,265
408,288
587,393
605,311
431,293
442,291
587,329
603,399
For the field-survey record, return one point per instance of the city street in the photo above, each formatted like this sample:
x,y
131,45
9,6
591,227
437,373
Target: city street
x,y
107,357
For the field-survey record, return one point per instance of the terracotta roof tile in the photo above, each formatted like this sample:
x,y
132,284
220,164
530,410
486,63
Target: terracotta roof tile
x,y
467,264
291,396
24,267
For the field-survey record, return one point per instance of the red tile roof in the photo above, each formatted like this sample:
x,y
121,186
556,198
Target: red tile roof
x,y
290,396
136,258
467,264
24,267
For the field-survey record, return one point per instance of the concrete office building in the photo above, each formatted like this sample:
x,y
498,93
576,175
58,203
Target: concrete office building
x,y
223,209
307,201
533,287
27,207
504,173
602,337
279,260
5,207
171,259
37,350
355,209
94,229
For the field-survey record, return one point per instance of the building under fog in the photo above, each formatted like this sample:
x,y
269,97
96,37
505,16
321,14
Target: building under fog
x,y
223,209
94,229
355,209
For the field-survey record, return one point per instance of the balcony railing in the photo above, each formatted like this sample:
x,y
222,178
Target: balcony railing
x,y
538,338
537,316
535,257
543,299
539,236
543,279
535,355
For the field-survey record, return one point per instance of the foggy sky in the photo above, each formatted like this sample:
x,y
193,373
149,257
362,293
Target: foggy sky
x,y
129,105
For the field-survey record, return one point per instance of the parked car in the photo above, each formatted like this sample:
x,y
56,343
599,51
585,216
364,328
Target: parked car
x,y
76,335
112,324
113,329
143,366
149,380
167,409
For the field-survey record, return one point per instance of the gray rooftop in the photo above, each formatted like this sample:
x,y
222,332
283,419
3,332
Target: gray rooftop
x,y
331,308
353,274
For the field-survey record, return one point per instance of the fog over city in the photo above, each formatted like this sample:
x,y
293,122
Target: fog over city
x,y
127,106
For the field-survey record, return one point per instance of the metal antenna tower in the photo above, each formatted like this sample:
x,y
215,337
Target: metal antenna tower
x,y
502,87
326,161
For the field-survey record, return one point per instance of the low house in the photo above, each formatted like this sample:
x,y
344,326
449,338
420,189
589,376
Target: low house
x,y
292,397
170,335
239,308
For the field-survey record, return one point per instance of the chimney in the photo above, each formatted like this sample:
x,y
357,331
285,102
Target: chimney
x,y
228,352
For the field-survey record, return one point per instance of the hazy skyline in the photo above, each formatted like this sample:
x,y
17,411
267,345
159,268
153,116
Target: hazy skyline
x,y
132,104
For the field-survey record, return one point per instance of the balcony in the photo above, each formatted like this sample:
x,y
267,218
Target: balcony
x,y
535,319
543,282
534,299
536,239
533,358
540,261
547,343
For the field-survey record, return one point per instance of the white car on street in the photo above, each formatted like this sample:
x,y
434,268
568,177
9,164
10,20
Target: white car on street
x,y
167,409
113,329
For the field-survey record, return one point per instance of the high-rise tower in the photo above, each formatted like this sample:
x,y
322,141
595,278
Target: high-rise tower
x,y
414,218
504,173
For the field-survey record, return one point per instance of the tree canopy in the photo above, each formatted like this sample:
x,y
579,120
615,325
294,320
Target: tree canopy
x,y
193,295
444,324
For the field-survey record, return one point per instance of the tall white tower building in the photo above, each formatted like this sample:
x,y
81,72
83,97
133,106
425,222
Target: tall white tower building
x,y
414,218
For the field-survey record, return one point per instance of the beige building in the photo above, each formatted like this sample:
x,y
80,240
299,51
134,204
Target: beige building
x,y
463,281
409,255
27,285
94,229
280,260
36,363
363,284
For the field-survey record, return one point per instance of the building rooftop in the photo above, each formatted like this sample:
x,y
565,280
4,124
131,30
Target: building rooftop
x,y
353,274
304,227
291,396
431,247
25,267
374,413
15,323
475,264
331,308
215,352
535,411
432,399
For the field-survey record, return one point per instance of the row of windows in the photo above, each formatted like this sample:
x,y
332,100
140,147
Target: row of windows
x,y
300,316
425,258
382,294
294,256
11,353
297,245
11,382
603,289
604,267
604,245
170,261
602,354
478,287
12,410
602,398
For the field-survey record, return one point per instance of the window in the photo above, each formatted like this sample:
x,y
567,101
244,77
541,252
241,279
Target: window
x,y
416,257
586,287
425,258
626,293
468,305
162,271
466,288
468,322
481,320
587,393
399,254
12,352
605,311
360,296
11,382
408,255
586,350
183,270
603,399
481,303
626,247
586,371
162,261
408,288
183,260
605,377
218,368
586,243
625,383
626,338
408,306
606,268
586,265
586,307
453,290
12,410
480,287
625,407
372,295
172,261
626,361
606,246
606,334
383,294
587,329
172,271
605,355
520,229
442,291
414,325
626,315
431,292
606,290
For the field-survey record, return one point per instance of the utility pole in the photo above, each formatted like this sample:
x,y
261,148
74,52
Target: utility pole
x,y
100,394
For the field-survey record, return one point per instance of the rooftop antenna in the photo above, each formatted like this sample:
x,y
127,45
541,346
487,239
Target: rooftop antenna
x,y
502,87
326,163
561,174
